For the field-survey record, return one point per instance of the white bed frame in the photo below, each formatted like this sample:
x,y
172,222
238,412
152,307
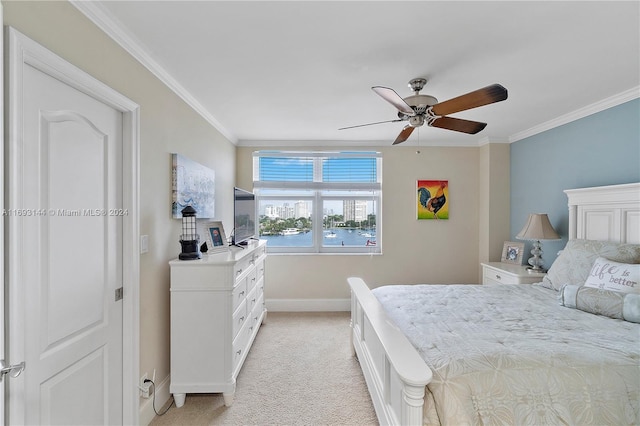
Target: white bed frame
x,y
395,373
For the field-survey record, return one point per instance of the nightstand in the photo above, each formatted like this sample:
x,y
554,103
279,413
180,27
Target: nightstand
x,y
494,273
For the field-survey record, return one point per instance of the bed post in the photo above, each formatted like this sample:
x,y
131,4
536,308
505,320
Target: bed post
x,y
413,407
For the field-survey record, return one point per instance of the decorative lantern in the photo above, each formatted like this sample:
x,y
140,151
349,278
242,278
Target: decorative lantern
x,y
189,239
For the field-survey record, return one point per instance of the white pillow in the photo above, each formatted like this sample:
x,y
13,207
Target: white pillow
x,y
614,276
574,263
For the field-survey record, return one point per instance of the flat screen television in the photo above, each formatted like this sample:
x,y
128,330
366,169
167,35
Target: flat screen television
x,y
244,216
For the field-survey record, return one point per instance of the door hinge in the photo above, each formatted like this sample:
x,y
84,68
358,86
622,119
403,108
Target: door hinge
x,y
119,293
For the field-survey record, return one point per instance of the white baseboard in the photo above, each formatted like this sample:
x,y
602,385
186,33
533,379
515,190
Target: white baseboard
x,y
147,413
308,305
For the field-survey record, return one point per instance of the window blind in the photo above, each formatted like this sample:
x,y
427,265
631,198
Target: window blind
x,y
276,169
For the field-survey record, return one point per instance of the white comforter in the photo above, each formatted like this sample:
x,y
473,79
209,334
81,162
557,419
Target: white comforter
x,y
511,354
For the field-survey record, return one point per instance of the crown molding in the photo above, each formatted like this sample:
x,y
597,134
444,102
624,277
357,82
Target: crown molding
x,y
357,144
487,140
602,105
114,29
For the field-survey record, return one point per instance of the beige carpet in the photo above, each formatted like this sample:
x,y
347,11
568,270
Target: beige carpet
x,y
300,371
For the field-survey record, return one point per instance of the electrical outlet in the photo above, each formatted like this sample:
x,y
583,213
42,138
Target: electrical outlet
x,y
144,387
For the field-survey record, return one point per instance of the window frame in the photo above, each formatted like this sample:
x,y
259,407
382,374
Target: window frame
x,y
320,192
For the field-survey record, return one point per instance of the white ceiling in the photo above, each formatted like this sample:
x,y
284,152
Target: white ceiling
x,y
267,72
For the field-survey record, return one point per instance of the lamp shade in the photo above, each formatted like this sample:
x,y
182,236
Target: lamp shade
x,y
538,227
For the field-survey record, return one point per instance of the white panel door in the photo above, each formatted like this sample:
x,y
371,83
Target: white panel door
x,y
65,255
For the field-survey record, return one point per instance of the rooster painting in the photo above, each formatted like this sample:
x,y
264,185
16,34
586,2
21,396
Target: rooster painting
x,y
430,205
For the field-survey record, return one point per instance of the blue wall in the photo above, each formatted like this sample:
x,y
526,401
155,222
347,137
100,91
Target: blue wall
x,y
601,149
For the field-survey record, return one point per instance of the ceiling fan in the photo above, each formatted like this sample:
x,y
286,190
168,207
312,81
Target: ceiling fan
x,y
419,109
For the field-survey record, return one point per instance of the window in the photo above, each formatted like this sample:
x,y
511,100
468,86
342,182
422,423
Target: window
x,y
319,202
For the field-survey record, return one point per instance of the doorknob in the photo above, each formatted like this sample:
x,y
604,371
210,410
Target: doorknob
x,y
12,370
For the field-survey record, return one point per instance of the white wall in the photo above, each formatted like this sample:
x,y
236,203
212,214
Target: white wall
x,y
494,200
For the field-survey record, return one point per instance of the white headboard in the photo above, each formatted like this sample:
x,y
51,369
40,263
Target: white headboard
x,y
605,213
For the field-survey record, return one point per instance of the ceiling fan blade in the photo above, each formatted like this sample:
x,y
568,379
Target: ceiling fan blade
x,y
459,125
370,124
485,96
404,134
394,99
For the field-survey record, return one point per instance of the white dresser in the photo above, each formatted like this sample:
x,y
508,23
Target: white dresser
x,y
217,307
494,273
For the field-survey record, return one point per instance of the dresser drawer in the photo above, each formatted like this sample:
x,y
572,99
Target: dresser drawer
x,y
259,252
239,294
241,267
260,268
251,280
240,344
252,298
489,281
239,318
257,309
260,287
504,273
499,277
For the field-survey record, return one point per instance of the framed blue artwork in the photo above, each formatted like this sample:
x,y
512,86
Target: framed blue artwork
x,y
193,185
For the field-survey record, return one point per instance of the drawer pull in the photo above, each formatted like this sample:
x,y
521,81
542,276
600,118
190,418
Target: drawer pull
x,y
498,277
253,279
241,293
239,271
242,319
238,352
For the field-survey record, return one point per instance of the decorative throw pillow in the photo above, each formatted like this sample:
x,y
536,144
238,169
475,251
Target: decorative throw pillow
x,y
611,304
574,262
614,276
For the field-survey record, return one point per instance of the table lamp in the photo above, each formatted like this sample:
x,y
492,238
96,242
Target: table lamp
x,y
536,229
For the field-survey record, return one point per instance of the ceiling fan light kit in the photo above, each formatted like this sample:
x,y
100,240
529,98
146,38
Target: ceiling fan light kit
x,y
418,109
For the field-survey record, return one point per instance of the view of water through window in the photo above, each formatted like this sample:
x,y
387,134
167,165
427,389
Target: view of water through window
x,y
331,237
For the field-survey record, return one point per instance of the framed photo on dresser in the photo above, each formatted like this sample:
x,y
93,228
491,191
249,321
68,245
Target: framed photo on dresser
x,y
512,252
216,238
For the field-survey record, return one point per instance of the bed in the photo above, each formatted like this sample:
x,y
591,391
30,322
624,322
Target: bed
x,y
563,351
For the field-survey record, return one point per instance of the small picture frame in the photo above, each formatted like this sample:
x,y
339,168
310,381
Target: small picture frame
x,y
512,252
215,237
